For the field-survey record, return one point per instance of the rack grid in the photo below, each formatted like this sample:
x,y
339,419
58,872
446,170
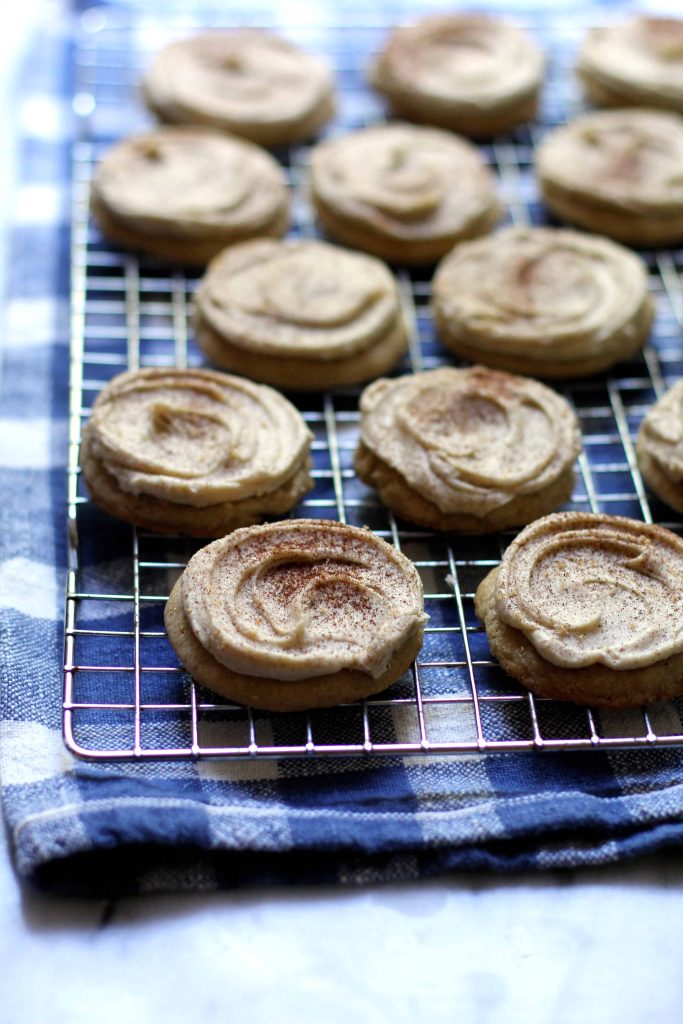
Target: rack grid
x,y
125,694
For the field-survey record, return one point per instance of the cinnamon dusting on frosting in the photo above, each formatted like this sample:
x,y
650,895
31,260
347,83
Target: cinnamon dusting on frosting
x,y
299,298
458,63
403,180
662,427
629,157
637,60
302,598
540,293
196,437
469,440
248,81
592,589
193,182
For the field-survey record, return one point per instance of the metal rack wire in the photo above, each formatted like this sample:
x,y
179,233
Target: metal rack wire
x,y
125,694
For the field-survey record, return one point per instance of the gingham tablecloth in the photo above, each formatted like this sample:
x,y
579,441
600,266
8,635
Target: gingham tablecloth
x,y
109,829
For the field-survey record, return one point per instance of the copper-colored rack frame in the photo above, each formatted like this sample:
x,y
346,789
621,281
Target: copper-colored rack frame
x,y
125,695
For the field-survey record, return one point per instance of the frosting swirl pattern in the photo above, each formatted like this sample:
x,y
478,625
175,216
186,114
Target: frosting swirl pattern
x,y
632,157
659,447
473,440
402,191
190,184
637,61
553,299
298,299
195,437
595,590
617,172
467,72
302,598
662,430
246,81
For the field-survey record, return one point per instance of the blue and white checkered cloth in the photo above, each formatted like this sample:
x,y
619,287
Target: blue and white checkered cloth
x,y
110,829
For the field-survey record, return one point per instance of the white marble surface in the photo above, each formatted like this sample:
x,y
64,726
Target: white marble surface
x,y
590,946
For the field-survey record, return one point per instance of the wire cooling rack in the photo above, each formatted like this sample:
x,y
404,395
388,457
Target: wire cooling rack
x,y
126,695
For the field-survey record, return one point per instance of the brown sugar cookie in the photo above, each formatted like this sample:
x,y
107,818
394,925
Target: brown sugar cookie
x,y
549,302
589,608
193,451
402,192
299,614
300,314
472,451
183,194
637,62
467,72
245,81
619,173
659,447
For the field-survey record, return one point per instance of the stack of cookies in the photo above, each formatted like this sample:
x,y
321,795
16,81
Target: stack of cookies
x,y
306,613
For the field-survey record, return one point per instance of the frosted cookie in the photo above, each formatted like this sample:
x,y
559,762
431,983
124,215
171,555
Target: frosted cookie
x,y
617,172
467,450
467,72
298,614
300,314
637,62
659,447
193,451
183,194
245,81
589,608
402,192
549,302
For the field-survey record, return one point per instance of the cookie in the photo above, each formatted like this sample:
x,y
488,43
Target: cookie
x,y
245,81
549,302
294,615
659,447
467,72
300,314
472,451
402,192
589,608
636,62
183,194
619,173
193,451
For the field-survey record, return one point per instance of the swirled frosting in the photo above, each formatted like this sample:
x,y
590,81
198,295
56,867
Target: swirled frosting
x,y
662,433
196,437
593,589
404,181
298,298
245,80
641,59
190,182
631,159
541,292
302,598
470,440
469,60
